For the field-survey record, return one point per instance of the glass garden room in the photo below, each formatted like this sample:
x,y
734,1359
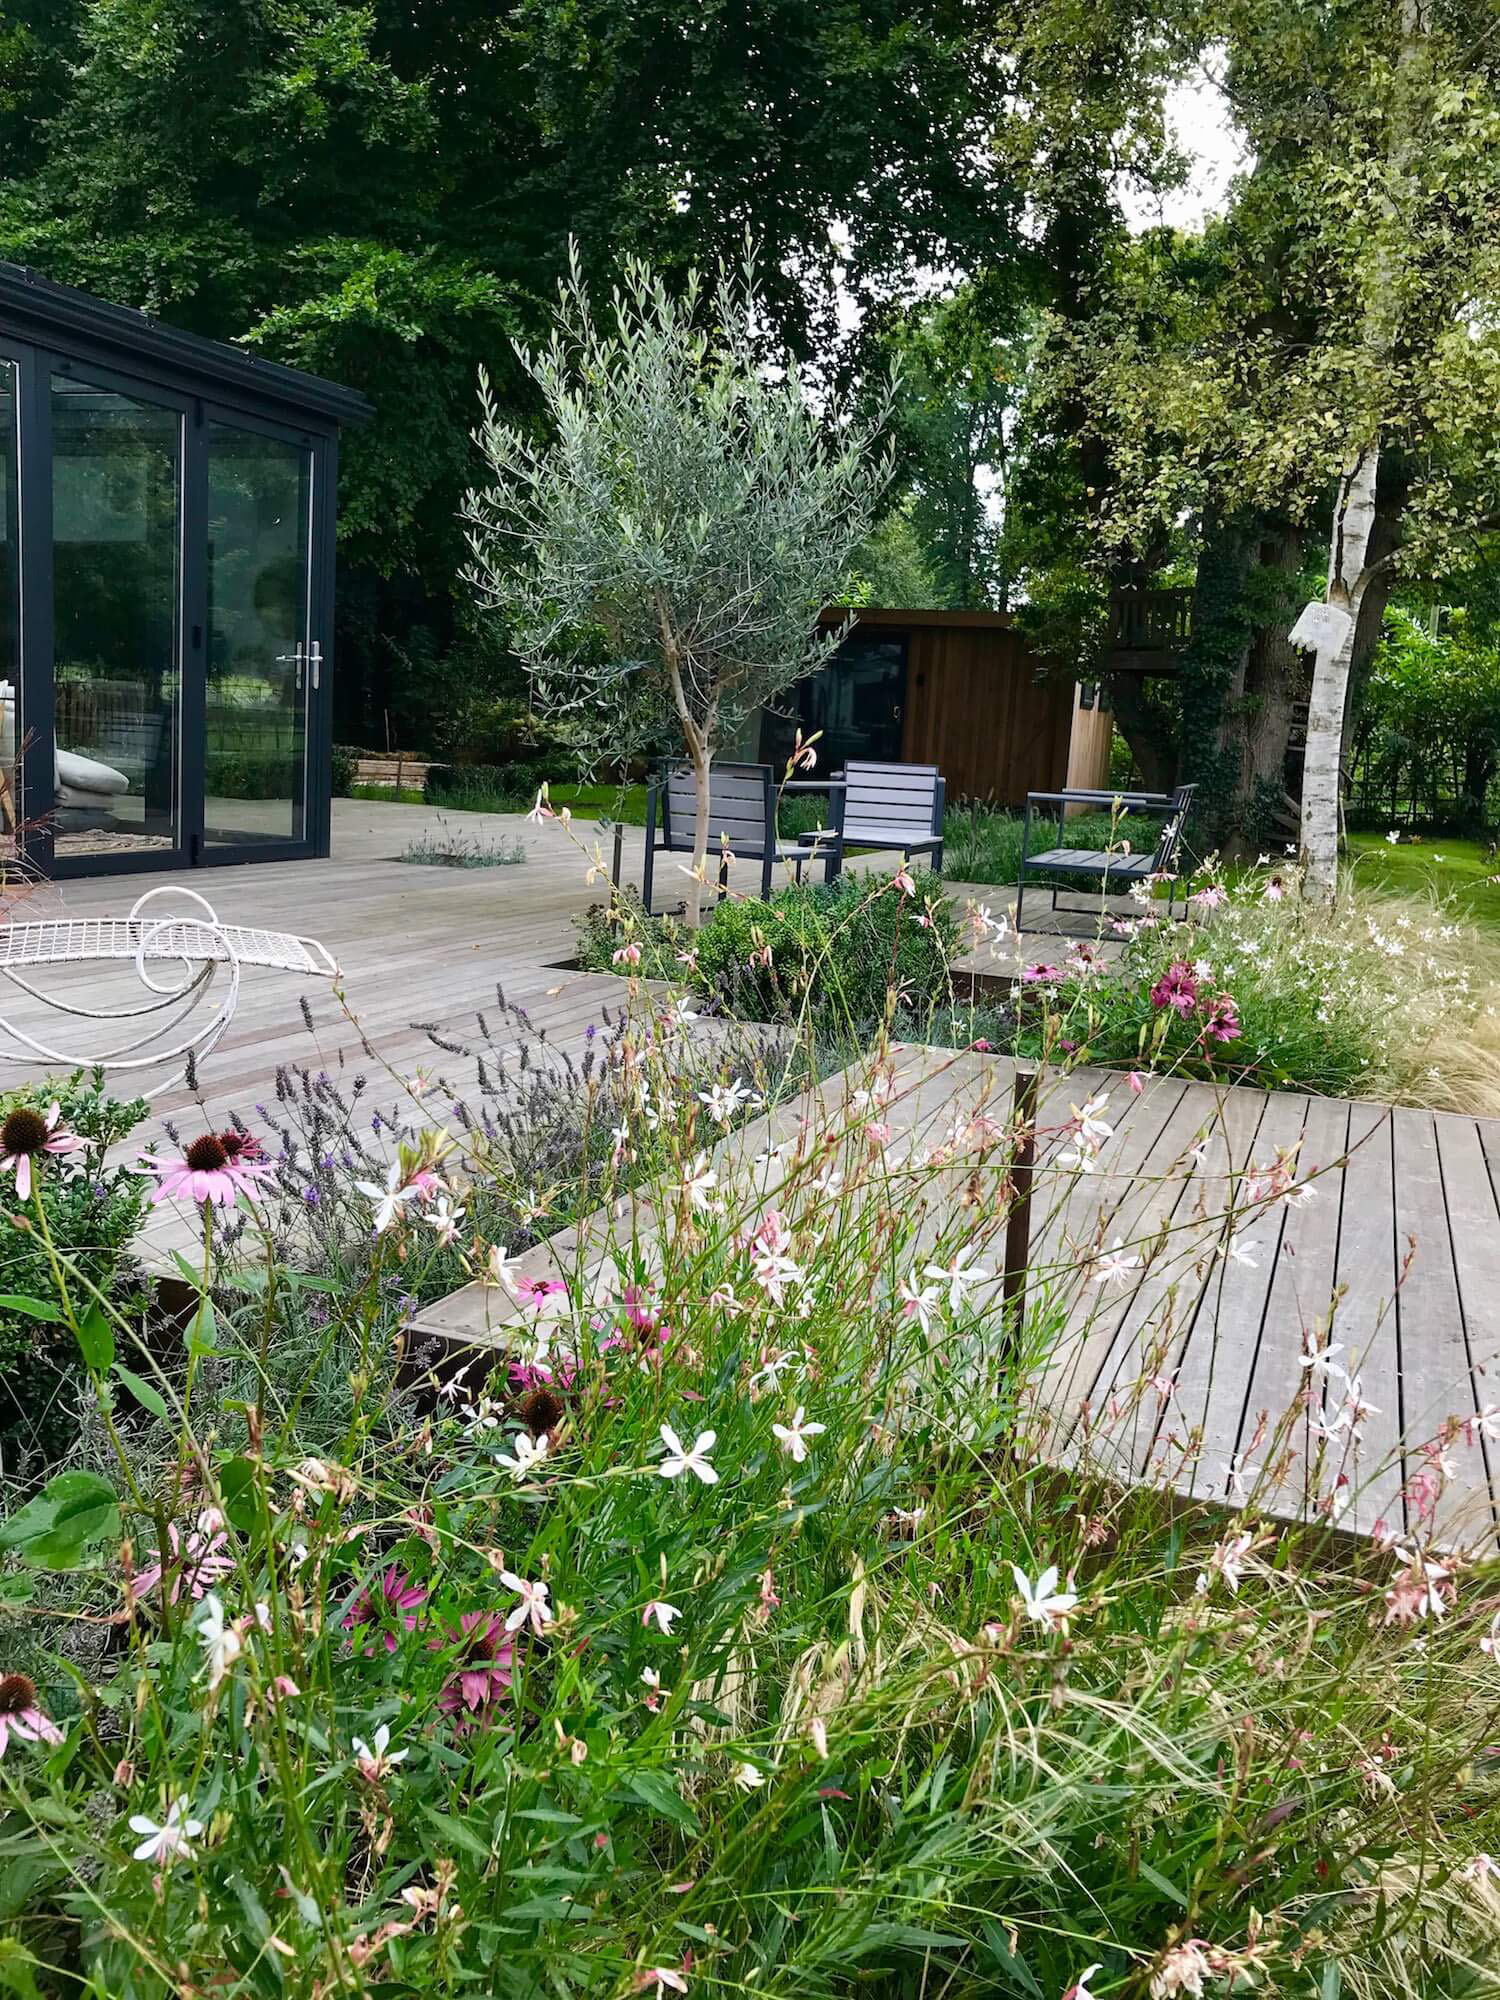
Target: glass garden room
x,y
166,591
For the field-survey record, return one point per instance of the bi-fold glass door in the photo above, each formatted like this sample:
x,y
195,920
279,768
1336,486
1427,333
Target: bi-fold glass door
x,y
264,650
165,587
118,546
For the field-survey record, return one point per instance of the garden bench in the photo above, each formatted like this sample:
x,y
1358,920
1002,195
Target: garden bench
x,y
887,806
1100,865
193,940
742,818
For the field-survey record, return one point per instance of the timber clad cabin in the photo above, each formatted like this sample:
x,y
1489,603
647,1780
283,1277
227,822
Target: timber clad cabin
x,y
959,689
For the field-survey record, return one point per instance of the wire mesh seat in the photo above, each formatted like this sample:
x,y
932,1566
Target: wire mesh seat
x,y
190,1007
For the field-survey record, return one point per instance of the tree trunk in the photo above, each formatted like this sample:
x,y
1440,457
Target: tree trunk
x,y
1329,630
701,753
1146,730
1261,707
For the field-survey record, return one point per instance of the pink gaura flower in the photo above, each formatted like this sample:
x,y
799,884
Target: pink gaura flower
x,y
213,1169
394,1600
19,1715
26,1135
486,1656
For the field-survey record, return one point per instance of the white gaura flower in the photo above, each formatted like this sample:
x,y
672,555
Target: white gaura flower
x,y
481,1417
794,1435
221,1643
918,1304
774,1367
373,1764
171,1840
498,1265
725,1099
533,1608
1091,1125
1045,1603
663,1616
445,1219
1320,1361
774,1272
1239,1477
681,1458
748,1778
529,1453
1115,1267
1225,1559
700,1184
1080,1989
957,1276
388,1197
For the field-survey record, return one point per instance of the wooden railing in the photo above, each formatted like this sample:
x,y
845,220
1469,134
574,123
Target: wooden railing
x,y
1150,620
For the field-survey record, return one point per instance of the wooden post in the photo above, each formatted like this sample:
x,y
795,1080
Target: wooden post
x,y
1022,1173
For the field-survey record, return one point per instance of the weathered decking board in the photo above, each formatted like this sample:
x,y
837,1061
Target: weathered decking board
x,y
1181,1376
421,945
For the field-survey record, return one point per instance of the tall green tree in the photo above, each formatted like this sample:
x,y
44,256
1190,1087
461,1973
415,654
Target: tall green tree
x,y
384,192
1322,362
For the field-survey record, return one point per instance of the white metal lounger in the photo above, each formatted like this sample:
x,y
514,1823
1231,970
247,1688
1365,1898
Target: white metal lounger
x,y
197,943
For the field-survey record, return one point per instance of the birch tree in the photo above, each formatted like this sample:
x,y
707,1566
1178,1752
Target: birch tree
x,y
1316,369
1327,628
662,552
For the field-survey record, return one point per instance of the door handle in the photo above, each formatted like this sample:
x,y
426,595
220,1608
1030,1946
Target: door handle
x,y
293,659
315,662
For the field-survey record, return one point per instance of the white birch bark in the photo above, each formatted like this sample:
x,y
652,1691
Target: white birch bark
x,y
1328,628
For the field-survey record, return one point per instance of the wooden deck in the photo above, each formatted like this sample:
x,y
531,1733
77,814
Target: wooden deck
x,y
420,948
1187,1371
1164,1373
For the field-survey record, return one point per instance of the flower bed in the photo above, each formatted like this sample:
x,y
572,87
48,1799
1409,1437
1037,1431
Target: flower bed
x,y
727,1632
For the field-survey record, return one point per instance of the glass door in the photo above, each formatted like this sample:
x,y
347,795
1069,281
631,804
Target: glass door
x,y
263,659
117,629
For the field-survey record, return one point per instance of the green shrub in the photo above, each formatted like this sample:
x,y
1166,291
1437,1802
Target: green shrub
x,y
344,762
488,787
92,1213
232,775
983,843
835,949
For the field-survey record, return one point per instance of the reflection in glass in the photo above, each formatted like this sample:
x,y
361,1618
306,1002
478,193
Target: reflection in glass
x,y
116,500
854,703
259,514
10,620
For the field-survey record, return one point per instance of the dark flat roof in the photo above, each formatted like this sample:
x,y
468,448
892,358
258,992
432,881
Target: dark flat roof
x,y
972,621
37,309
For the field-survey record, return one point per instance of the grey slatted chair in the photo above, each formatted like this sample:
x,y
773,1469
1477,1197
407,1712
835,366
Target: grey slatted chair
x,y
1097,863
888,805
742,815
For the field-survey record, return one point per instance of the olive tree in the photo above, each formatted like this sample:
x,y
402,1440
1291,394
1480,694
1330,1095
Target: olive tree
x,y
662,546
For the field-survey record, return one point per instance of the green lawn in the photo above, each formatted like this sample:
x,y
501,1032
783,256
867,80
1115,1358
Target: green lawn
x,y
622,802
1460,872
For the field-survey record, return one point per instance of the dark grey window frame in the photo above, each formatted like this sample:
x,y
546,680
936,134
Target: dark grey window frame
x,y
47,328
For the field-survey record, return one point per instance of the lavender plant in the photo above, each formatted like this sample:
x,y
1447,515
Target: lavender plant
x,y
761,1603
